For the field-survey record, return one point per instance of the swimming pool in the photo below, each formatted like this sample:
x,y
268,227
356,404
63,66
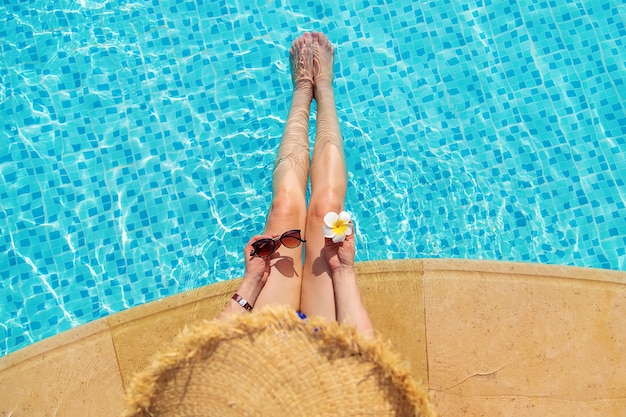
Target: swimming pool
x,y
138,140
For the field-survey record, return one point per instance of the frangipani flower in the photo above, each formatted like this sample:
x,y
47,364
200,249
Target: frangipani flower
x,y
337,226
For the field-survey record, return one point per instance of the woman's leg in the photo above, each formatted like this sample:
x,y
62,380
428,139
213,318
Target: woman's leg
x,y
328,184
288,209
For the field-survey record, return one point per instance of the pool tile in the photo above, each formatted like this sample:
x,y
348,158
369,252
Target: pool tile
x,y
138,140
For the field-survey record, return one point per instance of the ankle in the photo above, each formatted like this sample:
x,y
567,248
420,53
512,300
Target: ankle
x,y
303,88
323,89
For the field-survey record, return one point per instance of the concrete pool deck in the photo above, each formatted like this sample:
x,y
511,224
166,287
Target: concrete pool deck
x,y
485,337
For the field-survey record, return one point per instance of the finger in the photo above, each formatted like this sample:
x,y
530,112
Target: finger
x,y
266,236
256,238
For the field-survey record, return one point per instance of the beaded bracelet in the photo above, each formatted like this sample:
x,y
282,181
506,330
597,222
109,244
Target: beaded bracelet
x,y
242,302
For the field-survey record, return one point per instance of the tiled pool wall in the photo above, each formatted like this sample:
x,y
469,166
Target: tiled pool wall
x,y
138,140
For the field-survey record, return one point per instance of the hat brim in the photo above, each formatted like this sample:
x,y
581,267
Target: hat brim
x,y
272,363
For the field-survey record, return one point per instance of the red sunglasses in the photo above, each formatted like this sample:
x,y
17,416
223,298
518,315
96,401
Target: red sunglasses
x,y
267,246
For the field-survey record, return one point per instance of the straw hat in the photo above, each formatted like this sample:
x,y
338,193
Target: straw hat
x,y
272,363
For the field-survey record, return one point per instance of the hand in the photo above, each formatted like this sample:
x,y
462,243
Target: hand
x,y
257,268
340,255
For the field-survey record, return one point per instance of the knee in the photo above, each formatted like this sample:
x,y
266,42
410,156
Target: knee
x,y
288,205
323,202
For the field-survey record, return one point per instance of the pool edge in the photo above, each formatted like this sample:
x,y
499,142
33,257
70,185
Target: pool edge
x,y
405,297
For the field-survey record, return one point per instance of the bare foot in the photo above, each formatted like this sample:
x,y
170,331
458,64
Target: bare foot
x,y
301,61
323,55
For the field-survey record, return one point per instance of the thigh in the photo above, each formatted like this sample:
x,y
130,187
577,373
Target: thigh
x,y
318,296
284,283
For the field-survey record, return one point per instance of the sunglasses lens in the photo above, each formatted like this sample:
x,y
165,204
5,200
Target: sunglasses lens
x,y
291,239
264,247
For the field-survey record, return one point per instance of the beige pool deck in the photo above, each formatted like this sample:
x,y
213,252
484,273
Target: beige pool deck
x,y
486,339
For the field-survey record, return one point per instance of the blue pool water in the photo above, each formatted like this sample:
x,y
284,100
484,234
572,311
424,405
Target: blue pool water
x,y
137,139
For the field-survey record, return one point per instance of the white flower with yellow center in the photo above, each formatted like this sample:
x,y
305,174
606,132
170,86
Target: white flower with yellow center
x,y
337,226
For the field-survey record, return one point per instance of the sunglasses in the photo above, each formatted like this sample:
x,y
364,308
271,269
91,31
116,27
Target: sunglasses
x,y
266,247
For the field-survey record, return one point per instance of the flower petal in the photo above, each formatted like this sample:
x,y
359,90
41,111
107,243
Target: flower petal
x,y
344,216
340,228
339,238
328,231
349,229
330,218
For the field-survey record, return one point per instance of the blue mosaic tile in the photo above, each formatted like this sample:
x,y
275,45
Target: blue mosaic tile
x,y
138,139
